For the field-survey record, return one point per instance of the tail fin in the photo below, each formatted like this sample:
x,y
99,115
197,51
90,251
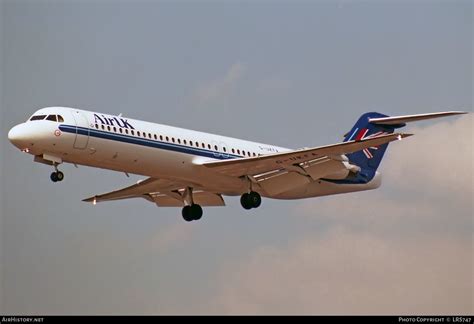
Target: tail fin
x,y
373,124
368,159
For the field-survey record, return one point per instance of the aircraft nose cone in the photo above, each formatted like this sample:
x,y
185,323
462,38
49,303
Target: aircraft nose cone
x,y
17,135
13,134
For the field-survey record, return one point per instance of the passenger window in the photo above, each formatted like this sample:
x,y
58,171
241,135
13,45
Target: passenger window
x,y
149,135
51,118
191,143
38,117
243,152
126,131
224,149
108,128
209,146
172,139
97,126
120,130
233,151
203,145
238,152
254,154
138,133
132,132
155,136
167,139
60,119
161,137
215,147
179,141
103,127
184,141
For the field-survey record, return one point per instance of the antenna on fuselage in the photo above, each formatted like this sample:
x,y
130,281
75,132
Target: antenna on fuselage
x,y
120,115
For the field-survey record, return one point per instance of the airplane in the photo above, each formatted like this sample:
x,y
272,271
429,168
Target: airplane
x,y
191,169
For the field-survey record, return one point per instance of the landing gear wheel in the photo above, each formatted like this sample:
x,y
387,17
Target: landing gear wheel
x,y
196,211
57,176
186,212
60,176
192,212
245,201
54,177
255,199
251,200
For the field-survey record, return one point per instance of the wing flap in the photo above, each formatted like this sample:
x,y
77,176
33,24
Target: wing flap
x,y
202,198
283,182
162,200
205,198
323,167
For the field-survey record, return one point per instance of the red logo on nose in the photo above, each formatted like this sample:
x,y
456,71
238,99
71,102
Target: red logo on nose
x,y
57,132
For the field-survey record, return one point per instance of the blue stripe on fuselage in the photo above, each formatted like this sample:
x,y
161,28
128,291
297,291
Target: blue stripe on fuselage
x,y
146,142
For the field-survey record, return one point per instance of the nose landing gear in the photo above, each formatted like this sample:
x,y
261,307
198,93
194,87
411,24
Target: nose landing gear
x,y
57,175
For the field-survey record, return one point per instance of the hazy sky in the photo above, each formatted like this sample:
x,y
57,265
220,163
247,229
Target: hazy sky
x,y
289,73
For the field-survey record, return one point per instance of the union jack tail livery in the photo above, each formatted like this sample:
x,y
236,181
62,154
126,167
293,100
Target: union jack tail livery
x,y
369,159
371,125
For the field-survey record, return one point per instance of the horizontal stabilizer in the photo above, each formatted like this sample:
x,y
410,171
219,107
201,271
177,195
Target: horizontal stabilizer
x,y
400,120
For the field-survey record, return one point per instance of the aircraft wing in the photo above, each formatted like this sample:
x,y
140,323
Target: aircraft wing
x,y
294,159
163,192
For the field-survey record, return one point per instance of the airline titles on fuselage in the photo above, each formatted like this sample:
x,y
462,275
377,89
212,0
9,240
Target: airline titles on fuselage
x,y
113,121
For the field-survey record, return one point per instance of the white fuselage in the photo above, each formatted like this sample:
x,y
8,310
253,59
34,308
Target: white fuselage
x,y
149,149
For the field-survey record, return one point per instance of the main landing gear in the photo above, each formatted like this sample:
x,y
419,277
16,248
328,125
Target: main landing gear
x,y
57,175
250,200
192,212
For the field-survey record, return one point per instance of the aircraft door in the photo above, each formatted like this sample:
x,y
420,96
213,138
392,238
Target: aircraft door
x,y
82,130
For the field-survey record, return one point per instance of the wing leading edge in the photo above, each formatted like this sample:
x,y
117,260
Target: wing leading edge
x,y
163,192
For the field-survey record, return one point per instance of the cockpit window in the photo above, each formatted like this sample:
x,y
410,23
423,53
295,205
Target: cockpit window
x,y
54,118
38,117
